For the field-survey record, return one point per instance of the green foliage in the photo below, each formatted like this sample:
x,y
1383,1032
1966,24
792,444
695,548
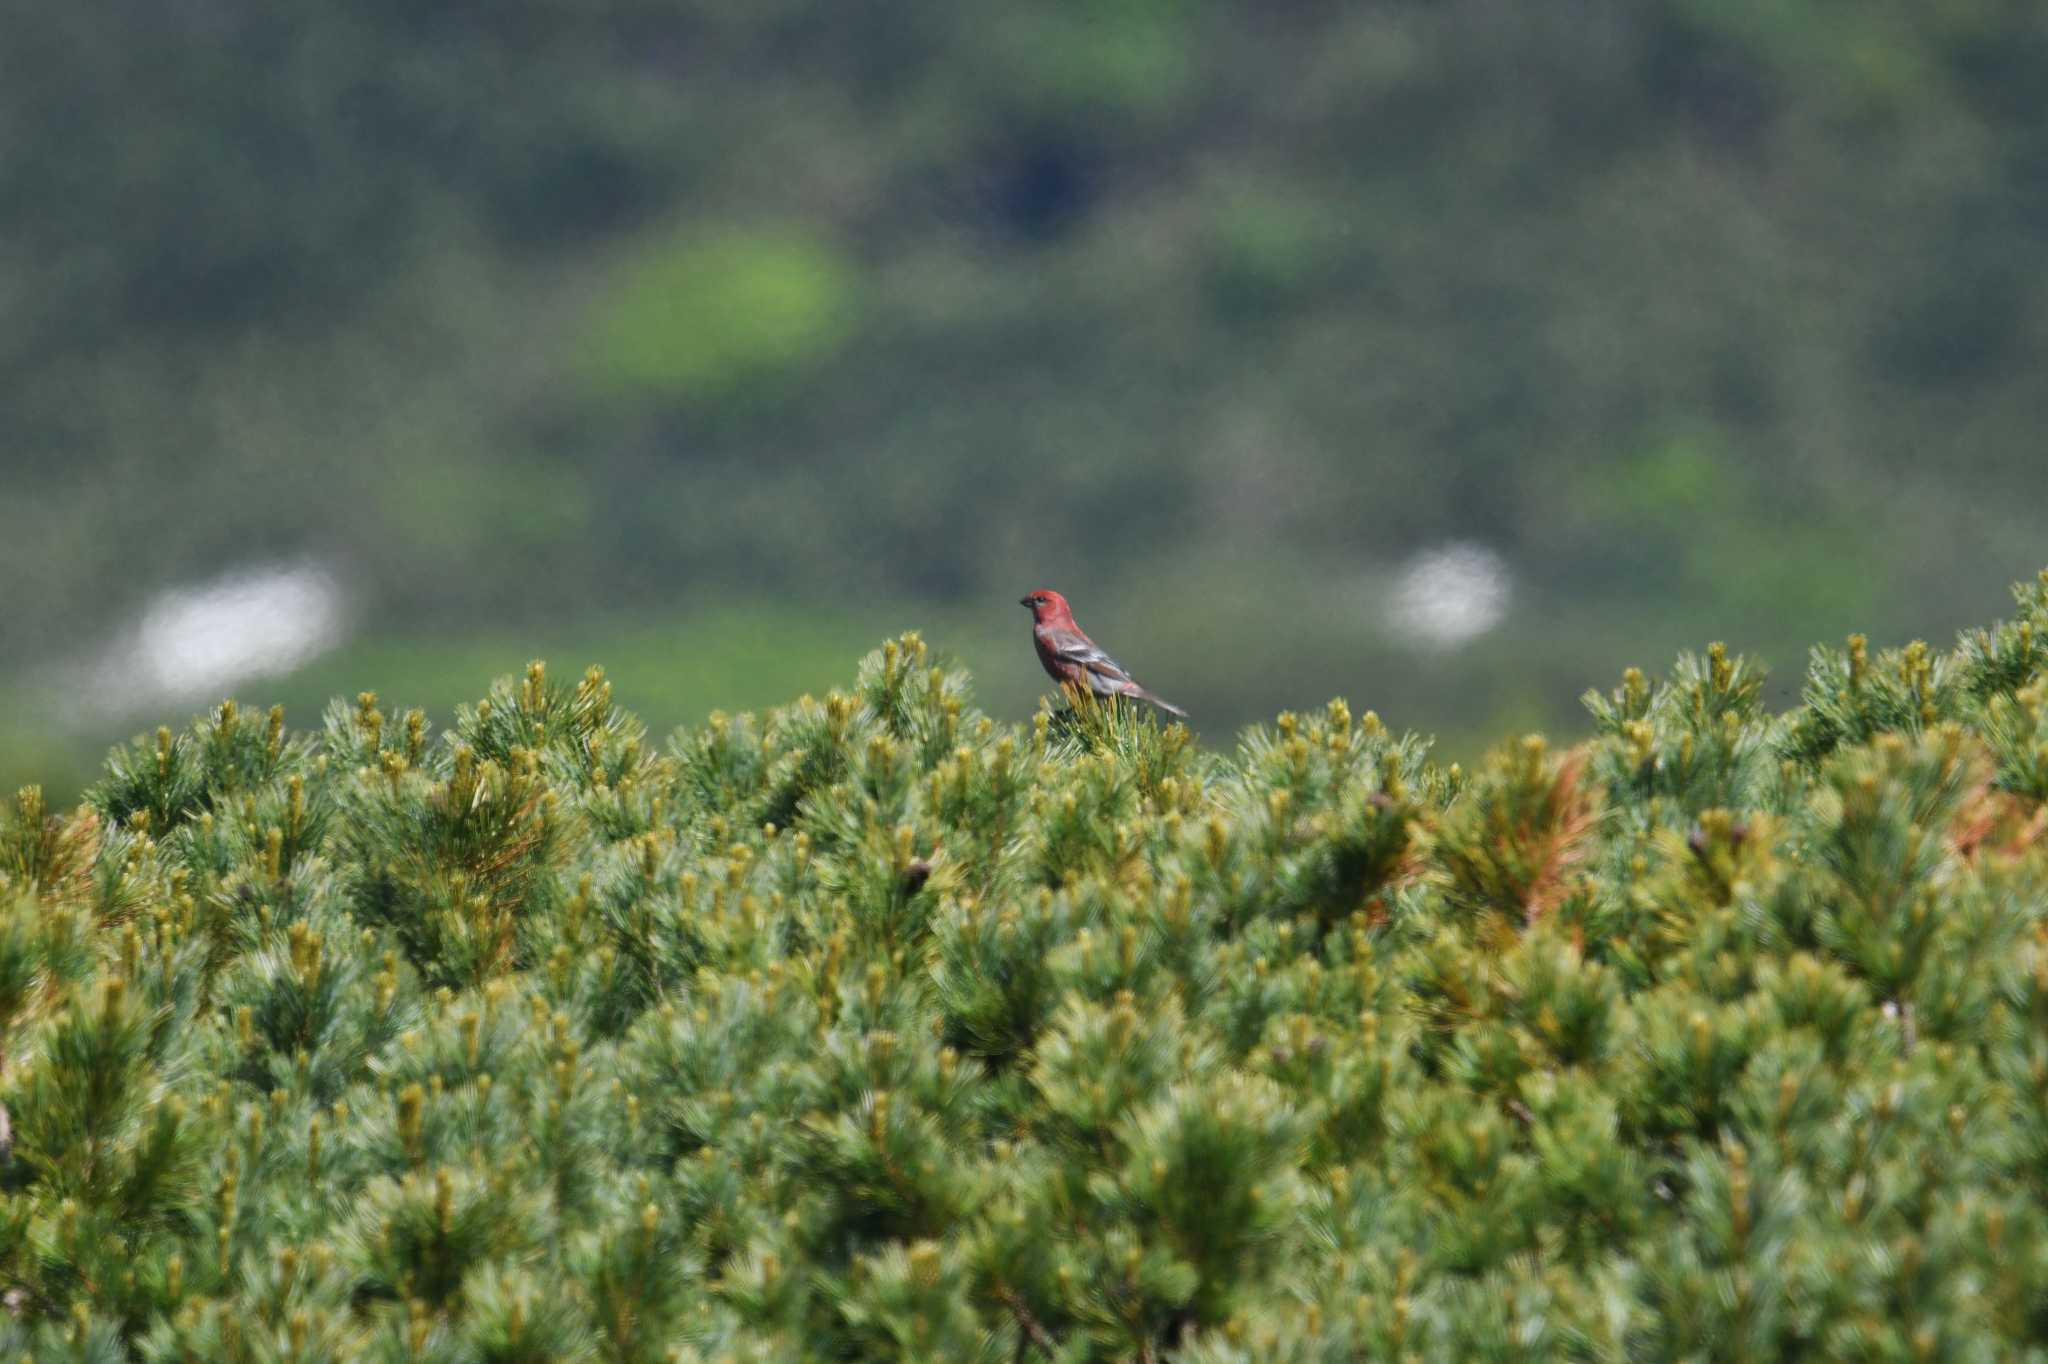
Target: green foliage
x,y
870,1029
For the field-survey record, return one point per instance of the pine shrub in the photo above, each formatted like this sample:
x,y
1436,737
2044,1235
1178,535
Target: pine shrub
x,y
869,1028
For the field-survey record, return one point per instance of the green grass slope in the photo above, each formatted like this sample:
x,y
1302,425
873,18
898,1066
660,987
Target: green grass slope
x,y
870,1029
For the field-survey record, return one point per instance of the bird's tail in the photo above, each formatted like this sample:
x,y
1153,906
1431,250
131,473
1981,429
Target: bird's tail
x,y
1167,706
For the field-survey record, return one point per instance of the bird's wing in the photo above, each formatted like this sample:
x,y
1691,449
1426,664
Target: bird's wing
x,y
1076,650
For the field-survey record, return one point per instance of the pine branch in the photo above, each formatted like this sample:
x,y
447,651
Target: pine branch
x,y
1028,1323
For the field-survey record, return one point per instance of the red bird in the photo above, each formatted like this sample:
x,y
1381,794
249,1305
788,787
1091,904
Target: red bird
x,y
1072,659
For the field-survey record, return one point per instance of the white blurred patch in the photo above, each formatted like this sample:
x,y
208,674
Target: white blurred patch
x,y
1450,593
201,641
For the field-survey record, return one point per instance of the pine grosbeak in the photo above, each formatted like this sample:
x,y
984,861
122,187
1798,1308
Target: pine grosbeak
x,y
1072,659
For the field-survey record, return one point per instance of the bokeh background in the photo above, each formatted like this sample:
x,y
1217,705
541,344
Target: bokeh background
x,y
1447,356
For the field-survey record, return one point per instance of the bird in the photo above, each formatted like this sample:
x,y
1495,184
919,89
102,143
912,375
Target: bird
x,y
1072,659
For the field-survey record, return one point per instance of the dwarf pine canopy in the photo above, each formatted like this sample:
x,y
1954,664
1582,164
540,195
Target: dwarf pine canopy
x,y
870,1028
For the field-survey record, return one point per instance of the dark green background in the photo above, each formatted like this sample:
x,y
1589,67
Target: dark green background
x,y
717,340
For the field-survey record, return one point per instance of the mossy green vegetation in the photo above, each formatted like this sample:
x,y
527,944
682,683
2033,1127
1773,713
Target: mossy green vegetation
x,y
868,1028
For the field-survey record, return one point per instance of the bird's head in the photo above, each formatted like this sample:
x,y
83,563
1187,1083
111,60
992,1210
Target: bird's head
x,y
1045,605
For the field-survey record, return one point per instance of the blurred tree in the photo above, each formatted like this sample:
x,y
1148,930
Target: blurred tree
x,y
508,308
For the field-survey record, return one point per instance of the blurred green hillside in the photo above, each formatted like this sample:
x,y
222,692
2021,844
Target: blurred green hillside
x,y
594,323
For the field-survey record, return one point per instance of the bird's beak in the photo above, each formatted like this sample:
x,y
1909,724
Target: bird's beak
x,y
1023,601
